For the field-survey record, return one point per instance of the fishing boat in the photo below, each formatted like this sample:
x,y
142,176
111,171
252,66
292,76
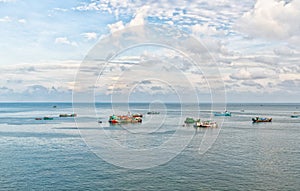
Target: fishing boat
x,y
115,119
206,124
261,119
48,118
225,113
153,112
137,115
295,115
68,115
190,120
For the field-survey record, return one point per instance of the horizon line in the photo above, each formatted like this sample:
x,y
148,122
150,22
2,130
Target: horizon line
x,y
150,102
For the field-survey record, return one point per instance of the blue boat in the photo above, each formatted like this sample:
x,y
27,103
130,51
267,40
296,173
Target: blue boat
x,y
226,113
261,119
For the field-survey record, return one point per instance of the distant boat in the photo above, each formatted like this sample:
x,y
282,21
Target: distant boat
x,y
115,119
261,119
206,124
48,118
190,120
44,118
68,115
153,112
295,115
225,113
137,115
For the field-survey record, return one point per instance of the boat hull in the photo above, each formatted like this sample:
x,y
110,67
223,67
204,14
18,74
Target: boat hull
x,y
124,119
222,114
261,120
206,124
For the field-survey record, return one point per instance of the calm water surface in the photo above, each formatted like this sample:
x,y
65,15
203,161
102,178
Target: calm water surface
x,y
51,155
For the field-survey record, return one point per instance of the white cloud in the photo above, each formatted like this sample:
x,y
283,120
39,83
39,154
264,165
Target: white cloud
x,y
90,35
8,19
205,29
7,1
5,19
22,21
272,19
284,51
242,74
65,40
140,15
251,83
217,15
88,7
116,26
60,9
47,74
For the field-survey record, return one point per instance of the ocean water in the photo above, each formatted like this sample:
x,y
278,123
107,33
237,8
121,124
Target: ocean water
x,y
53,155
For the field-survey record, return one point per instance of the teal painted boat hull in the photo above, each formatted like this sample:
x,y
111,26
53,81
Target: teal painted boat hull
x,y
222,114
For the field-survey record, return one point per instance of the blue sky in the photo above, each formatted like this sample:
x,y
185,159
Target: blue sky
x,y
255,43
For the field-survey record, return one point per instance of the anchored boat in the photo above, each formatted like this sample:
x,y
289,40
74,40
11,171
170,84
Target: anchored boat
x,y
48,118
206,124
261,119
68,115
137,115
115,119
295,115
153,112
225,113
190,120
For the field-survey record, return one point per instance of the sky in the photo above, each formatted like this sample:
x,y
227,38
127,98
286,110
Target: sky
x,y
254,44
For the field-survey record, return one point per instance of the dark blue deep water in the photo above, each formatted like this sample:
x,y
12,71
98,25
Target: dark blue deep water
x,y
51,155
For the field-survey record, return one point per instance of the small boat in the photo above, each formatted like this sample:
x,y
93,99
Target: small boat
x,y
137,115
295,115
189,120
225,113
38,118
153,112
48,118
206,124
114,119
68,115
261,119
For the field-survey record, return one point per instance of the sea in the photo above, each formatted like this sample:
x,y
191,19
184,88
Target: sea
x,y
161,153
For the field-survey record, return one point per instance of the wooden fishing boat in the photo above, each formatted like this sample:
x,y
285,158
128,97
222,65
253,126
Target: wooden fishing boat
x,y
206,124
68,115
48,118
225,113
114,119
189,120
261,119
153,112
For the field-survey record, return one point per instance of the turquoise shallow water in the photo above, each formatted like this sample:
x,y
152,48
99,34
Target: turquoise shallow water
x,y
51,155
